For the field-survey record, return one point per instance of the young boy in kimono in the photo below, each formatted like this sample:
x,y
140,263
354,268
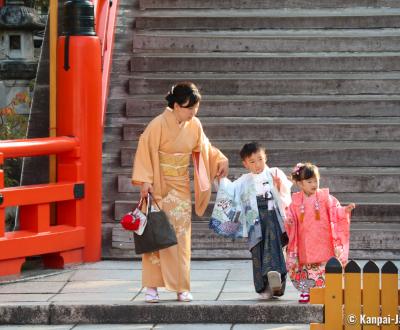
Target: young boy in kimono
x,y
259,199
264,193
318,228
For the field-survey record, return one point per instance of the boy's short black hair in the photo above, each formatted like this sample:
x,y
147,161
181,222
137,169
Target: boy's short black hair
x,y
250,148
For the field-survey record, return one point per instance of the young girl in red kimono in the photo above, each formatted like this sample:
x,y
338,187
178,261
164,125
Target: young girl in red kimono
x,y
318,228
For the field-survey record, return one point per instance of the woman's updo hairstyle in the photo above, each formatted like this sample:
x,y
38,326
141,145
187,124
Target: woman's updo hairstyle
x,y
183,93
304,171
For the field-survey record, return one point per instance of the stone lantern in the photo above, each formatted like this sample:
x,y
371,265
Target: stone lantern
x,y
18,59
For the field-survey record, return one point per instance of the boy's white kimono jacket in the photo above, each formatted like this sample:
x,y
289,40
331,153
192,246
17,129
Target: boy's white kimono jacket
x,y
236,213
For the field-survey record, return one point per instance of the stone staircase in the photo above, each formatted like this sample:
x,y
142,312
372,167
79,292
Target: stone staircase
x,y
312,80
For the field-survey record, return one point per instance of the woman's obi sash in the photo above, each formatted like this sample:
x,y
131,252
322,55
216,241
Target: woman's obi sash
x,y
175,165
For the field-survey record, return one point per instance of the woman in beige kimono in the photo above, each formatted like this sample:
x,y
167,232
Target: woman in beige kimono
x,y
161,167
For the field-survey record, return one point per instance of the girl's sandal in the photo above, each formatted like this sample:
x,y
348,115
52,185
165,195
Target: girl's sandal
x,y
304,298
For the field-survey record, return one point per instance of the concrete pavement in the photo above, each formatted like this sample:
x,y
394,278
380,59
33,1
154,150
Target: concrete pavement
x,y
108,293
120,281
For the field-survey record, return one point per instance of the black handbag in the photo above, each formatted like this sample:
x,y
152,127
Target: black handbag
x,y
158,233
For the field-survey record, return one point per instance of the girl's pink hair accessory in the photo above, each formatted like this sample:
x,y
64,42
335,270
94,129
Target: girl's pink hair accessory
x,y
297,168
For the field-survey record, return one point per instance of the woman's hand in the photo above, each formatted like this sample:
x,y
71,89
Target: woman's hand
x,y
223,168
145,189
350,208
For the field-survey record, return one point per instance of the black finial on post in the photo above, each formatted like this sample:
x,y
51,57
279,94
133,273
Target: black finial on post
x,y
389,268
371,267
352,267
78,18
333,266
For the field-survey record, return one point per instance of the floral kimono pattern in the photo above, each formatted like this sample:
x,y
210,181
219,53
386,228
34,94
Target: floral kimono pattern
x,y
225,217
315,237
236,209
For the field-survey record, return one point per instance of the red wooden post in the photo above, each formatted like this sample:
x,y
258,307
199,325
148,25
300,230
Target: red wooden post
x,y
79,115
9,266
35,218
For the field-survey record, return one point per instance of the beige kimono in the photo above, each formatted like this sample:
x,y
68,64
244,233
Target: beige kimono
x,y
162,159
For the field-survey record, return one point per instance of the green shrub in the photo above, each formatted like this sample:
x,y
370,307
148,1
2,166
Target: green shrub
x,y
13,126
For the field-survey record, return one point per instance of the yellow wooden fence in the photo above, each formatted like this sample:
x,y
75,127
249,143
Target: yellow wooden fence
x,y
355,299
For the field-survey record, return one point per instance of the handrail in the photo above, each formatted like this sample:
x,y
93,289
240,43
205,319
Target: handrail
x,y
60,243
105,18
37,147
38,194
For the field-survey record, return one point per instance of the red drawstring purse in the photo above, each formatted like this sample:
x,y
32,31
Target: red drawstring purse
x,y
135,220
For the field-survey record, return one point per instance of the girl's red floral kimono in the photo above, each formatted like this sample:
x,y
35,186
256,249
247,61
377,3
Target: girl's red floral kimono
x,y
318,228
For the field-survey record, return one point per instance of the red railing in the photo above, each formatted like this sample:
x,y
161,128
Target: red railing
x,y
106,16
82,86
58,244
36,147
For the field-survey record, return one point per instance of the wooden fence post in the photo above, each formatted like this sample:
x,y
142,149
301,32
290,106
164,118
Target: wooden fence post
x,y
352,296
374,306
333,295
389,294
371,294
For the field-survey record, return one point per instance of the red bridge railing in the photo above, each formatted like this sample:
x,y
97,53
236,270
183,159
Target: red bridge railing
x,y
83,70
106,17
58,244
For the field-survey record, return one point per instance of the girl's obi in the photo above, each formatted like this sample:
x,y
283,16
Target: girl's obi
x,y
175,165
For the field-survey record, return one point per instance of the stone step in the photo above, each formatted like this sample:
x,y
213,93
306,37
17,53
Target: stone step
x,y
265,62
347,180
261,40
263,4
331,154
270,106
318,35
121,65
222,254
348,18
271,83
371,207
363,236
103,313
122,46
309,129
